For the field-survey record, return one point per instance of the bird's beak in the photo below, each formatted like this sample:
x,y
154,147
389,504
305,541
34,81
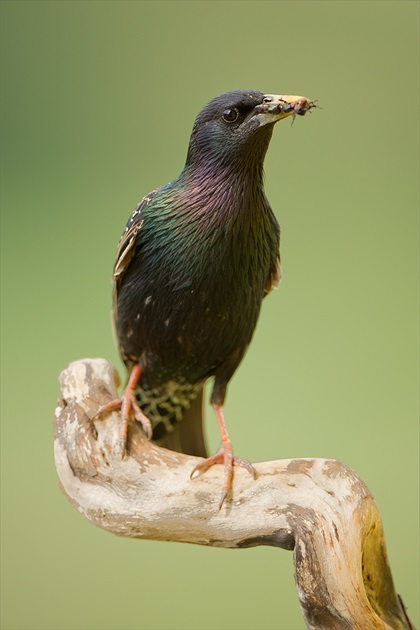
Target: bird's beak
x,y
275,107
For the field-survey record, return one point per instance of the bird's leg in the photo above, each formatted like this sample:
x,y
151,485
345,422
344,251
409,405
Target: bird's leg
x,y
128,404
224,456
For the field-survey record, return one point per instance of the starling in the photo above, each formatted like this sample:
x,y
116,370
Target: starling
x,y
192,267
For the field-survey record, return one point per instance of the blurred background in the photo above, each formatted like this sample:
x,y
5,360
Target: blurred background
x,y
98,102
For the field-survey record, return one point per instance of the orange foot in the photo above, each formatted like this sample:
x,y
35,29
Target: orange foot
x,y
128,405
224,456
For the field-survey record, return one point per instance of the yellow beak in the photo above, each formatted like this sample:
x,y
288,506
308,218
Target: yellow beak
x,y
276,107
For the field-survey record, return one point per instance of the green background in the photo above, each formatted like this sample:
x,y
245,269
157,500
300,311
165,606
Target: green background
x,y
98,103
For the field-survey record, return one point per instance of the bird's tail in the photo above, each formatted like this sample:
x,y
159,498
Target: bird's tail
x,y
181,431
187,435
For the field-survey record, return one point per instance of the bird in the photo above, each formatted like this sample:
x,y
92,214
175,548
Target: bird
x,y
193,265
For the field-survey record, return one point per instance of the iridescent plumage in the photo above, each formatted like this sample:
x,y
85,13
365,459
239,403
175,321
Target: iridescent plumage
x,y
193,265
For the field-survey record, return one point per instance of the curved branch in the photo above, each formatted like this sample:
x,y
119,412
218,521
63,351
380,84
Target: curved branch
x,y
318,508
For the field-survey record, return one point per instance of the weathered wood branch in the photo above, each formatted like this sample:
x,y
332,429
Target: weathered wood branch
x,y
318,508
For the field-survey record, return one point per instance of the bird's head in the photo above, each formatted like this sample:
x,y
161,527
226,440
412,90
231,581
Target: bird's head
x,y
237,126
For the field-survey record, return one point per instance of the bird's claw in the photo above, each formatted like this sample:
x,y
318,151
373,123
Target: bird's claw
x,y
140,417
128,406
224,456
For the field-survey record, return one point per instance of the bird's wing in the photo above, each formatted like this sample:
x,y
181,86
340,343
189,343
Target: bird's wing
x,y
126,249
187,436
274,277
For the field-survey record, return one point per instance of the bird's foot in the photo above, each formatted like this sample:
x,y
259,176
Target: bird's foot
x,y
224,456
128,406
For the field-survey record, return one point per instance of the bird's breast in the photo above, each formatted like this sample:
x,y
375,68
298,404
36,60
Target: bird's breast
x,y
192,295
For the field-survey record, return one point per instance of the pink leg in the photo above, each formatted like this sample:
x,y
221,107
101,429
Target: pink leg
x,y
128,405
224,456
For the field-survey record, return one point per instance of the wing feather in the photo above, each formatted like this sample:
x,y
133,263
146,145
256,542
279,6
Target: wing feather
x,y
274,278
126,250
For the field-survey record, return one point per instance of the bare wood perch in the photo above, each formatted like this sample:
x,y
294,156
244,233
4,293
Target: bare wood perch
x,y
318,508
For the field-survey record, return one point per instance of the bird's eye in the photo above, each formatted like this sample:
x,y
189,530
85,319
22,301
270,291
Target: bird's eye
x,y
230,115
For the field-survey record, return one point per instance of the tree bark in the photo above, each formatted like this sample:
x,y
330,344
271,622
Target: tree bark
x,y
317,508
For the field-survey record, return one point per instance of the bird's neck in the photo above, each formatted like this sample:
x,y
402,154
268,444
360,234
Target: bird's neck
x,y
225,187
234,187
213,178
213,165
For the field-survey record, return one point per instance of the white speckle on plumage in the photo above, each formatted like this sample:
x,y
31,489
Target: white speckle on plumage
x,y
166,322
147,300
